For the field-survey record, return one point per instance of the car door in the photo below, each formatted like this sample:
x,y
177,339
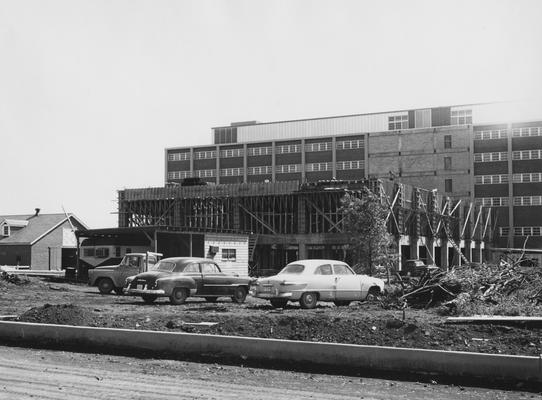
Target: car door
x,y
323,282
215,282
193,270
347,284
130,267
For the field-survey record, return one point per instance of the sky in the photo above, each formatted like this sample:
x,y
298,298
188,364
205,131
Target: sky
x,y
92,92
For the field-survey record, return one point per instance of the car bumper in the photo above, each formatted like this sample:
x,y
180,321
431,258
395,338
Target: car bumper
x,y
158,292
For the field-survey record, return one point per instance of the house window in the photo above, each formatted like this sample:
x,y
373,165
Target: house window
x,y
102,252
447,163
88,252
117,251
5,230
398,122
229,254
448,185
461,117
447,141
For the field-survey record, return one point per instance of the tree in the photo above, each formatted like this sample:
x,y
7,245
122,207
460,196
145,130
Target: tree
x,y
364,221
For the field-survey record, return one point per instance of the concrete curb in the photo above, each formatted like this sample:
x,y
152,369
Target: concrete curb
x,y
391,359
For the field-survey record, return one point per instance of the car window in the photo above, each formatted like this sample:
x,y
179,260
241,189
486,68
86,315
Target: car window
x,y
132,261
323,270
165,266
292,269
192,268
341,269
209,268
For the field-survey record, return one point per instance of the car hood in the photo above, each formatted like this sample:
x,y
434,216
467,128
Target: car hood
x,y
107,267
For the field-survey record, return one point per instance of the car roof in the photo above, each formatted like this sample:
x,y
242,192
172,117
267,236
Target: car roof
x,y
316,263
186,260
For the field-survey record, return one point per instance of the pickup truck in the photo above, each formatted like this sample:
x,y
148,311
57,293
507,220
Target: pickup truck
x,y
112,277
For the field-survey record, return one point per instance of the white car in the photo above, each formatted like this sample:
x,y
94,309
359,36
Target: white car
x,y
310,281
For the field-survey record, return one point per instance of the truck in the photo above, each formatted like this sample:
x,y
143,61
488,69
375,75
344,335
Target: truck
x,y
110,278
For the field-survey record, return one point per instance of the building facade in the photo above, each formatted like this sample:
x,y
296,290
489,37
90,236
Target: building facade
x,y
490,154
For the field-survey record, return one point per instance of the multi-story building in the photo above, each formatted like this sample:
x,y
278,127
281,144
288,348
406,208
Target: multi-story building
x,y
489,153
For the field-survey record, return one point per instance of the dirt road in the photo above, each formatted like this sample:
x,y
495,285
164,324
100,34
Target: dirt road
x,y
47,374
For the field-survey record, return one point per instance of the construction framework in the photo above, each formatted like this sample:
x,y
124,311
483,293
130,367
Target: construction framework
x,y
288,220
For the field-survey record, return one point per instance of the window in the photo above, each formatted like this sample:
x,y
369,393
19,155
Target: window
x,y
228,153
448,186
132,261
259,151
229,254
398,122
323,146
179,174
490,179
521,231
490,157
342,269
447,163
288,168
205,173
492,201
179,156
359,164
5,230
318,167
292,269
231,172
528,201
447,141
288,148
88,252
263,170
117,252
350,144
527,155
461,117
323,270
204,155
527,177
209,268
492,134
191,268
522,132
102,252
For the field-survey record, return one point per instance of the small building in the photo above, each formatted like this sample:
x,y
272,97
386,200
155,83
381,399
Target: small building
x,y
39,241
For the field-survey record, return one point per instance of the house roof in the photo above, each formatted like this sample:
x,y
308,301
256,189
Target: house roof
x,y
38,226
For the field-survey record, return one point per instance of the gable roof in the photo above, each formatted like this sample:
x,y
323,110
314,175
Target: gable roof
x,y
38,226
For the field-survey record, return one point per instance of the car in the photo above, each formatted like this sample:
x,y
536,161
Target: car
x,y
181,277
310,281
112,277
417,268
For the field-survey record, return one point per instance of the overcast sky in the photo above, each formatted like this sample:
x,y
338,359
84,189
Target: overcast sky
x,y
91,92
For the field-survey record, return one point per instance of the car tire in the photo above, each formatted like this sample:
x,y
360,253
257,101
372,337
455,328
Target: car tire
x,y
373,293
239,295
119,291
105,285
342,303
178,296
149,298
278,303
211,299
308,300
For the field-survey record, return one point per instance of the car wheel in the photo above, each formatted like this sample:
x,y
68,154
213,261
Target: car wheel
x,y
279,303
148,298
211,299
178,296
119,291
239,295
340,303
308,300
105,285
373,293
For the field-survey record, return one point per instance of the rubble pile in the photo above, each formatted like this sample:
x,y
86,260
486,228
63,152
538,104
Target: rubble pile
x,y
506,289
6,277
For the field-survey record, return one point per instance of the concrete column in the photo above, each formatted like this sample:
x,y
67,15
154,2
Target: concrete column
x,y
245,163
334,157
303,175
444,254
217,164
302,250
510,189
414,251
273,162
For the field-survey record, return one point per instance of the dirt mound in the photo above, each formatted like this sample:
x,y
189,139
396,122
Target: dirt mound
x,y
6,278
61,314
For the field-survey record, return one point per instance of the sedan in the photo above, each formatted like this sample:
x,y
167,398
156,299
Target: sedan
x,y
310,281
181,277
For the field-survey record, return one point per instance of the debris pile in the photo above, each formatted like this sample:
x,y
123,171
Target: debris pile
x,y
13,278
506,289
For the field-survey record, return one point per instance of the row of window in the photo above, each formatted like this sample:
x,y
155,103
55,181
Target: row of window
x,y
491,134
522,132
178,156
503,178
503,201
398,122
521,231
461,117
267,169
527,155
488,157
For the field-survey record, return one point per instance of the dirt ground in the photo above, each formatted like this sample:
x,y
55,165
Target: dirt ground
x,y
40,300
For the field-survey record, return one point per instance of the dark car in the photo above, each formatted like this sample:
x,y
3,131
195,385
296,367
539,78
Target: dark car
x,y
417,268
181,277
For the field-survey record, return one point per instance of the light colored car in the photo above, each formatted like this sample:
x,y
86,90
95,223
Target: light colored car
x,y
310,281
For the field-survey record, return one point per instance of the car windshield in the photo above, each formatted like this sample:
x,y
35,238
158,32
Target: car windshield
x,y
165,266
292,269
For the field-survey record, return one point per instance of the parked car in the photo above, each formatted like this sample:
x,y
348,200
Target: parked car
x,y
181,277
416,268
112,277
310,281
